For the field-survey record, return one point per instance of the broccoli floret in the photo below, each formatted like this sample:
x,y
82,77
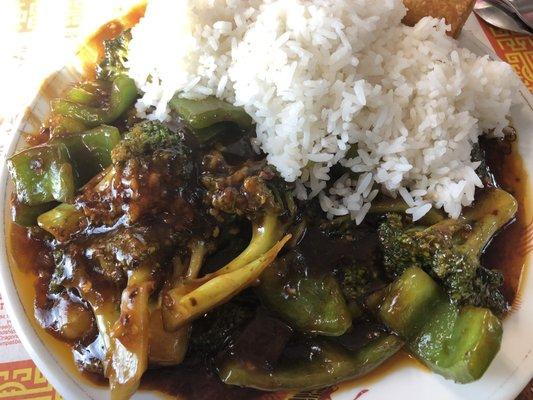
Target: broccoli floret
x,y
144,139
247,184
150,170
251,190
486,285
450,250
357,281
115,56
403,245
218,328
358,277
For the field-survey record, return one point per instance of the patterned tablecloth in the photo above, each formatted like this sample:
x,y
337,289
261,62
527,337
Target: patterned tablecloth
x,y
28,28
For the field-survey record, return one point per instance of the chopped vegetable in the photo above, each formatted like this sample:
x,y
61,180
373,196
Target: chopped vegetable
x,y
68,274
51,172
248,190
90,152
457,343
166,348
151,165
265,234
122,95
115,56
214,331
450,249
144,139
85,93
169,347
42,174
309,303
128,352
319,363
201,114
357,281
215,131
193,298
25,215
61,125
62,221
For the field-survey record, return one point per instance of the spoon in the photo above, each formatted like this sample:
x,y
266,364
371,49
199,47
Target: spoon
x,y
523,9
498,14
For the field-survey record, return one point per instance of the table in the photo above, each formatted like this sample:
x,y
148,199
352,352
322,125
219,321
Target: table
x,y
28,27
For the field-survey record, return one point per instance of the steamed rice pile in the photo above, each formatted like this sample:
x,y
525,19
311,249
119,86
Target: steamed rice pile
x,y
321,77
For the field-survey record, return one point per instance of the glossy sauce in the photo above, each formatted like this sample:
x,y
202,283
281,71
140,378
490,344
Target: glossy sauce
x,y
92,50
508,252
509,249
32,258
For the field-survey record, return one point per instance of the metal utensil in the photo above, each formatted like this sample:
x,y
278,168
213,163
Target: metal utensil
x,y
495,13
503,4
523,9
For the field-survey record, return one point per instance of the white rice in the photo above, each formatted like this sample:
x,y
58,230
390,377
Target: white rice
x,y
321,76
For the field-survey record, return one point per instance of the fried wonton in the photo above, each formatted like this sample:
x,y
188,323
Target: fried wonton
x,y
455,12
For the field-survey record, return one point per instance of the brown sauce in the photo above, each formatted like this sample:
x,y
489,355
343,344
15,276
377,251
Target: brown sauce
x,y
400,360
195,382
182,382
509,249
93,48
508,252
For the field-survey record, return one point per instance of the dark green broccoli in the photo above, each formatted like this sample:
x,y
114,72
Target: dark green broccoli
x,y
249,186
150,167
145,138
216,329
251,190
115,56
450,249
358,271
358,281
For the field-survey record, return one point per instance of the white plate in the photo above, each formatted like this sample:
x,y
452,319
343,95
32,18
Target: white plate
x,y
508,374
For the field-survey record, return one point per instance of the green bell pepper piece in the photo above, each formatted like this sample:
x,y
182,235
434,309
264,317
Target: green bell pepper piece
x,y
25,215
204,135
42,174
62,221
123,94
405,305
312,304
199,114
63,126
330,364
90,152
82,95
457,343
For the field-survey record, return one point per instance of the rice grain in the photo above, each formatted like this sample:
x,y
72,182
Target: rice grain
x,y
322,77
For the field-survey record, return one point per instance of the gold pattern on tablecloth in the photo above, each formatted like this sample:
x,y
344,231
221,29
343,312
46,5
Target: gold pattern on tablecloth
x,y
513,48
22,380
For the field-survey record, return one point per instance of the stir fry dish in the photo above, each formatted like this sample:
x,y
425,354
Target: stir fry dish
x,y
177,248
